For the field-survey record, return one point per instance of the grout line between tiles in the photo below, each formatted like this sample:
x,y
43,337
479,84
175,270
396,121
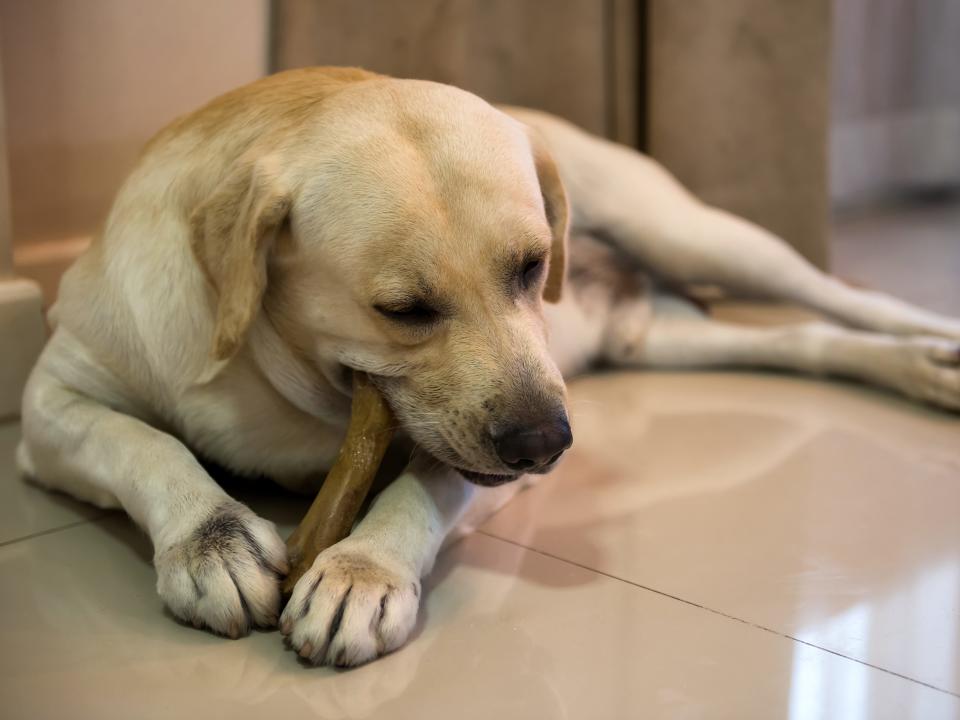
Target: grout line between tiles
x,y
51,531
718,612
647,588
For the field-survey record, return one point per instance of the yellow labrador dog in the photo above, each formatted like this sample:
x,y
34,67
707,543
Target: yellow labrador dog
x,y
328,220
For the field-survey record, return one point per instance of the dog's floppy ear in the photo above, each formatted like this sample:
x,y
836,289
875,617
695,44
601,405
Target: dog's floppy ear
x,y
558,215
231,235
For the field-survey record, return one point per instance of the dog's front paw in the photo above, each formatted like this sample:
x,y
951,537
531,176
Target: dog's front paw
x,y
225,573
352,606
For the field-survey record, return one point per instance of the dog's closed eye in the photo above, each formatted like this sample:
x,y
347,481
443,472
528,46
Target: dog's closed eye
x,y
417,313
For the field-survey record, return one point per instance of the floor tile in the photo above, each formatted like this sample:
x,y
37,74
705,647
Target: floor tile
x,y
826,512
27,510
506,633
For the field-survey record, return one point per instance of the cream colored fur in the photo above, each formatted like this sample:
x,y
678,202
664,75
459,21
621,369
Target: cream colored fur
x,y
247,266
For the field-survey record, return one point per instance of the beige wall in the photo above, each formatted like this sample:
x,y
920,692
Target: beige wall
x,y
87,83
6,230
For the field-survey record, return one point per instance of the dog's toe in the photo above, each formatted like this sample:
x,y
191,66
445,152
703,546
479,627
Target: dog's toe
x,y
928,369
350,608
225,574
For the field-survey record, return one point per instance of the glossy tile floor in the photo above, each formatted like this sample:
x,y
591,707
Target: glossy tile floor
x,y
717,545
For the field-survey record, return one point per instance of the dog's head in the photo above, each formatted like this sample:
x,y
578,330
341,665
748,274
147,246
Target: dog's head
x,y
411,231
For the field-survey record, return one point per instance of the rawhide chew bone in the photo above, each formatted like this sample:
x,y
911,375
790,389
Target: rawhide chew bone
x,y
336,506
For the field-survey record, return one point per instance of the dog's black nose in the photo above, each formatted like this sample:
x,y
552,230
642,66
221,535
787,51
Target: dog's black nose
x,y
531,448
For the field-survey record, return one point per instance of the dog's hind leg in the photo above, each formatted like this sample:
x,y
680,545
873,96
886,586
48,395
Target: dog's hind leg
x,y
923,368
641,208
747,260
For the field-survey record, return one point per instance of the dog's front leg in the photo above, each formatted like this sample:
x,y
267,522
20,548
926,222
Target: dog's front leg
x,y
218,564
360,598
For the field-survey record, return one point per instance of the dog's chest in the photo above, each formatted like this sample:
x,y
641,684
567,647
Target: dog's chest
x,y
242,423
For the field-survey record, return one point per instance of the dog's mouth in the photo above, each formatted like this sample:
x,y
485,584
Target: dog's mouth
x,y
485,479
492,480
473,476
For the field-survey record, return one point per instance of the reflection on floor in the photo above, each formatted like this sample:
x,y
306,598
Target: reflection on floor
x,y
717,545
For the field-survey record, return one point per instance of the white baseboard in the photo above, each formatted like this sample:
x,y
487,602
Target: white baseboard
x,y
23,332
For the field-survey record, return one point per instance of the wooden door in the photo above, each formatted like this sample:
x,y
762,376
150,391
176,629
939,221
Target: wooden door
x,y
575,58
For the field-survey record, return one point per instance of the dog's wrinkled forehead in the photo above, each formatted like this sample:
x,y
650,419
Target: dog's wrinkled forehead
x,y
434,159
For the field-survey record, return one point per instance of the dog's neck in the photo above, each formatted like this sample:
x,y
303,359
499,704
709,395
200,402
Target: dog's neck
x,y
313,389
